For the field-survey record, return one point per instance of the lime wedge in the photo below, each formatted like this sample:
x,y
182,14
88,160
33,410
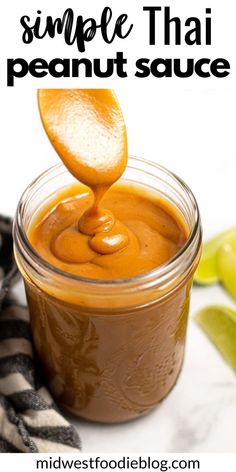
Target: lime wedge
x,y
227,267
219,323
207,271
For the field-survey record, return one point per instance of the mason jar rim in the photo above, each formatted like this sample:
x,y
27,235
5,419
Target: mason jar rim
x,y
155,275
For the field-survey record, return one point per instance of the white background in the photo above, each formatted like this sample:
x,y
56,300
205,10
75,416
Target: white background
x,y
185,125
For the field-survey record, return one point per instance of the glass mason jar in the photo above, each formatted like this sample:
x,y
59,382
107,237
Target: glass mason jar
x,y
111,350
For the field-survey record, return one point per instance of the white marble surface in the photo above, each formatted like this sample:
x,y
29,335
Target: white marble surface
x,y
199,415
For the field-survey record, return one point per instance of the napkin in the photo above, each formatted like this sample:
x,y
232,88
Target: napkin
x,y
30,421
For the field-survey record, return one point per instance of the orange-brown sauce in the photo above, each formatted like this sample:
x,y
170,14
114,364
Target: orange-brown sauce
x,y
101,233
113,363
154,234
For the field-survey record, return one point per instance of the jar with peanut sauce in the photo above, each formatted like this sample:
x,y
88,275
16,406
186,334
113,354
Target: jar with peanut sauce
x,y
111,349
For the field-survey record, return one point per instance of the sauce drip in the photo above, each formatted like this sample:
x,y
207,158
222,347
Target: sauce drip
x,y
87,129
99,232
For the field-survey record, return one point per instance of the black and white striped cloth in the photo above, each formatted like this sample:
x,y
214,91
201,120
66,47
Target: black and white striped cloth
x,y
29,419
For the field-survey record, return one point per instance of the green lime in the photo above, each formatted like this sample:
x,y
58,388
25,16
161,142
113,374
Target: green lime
x,y
219,323
227,266
207,271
